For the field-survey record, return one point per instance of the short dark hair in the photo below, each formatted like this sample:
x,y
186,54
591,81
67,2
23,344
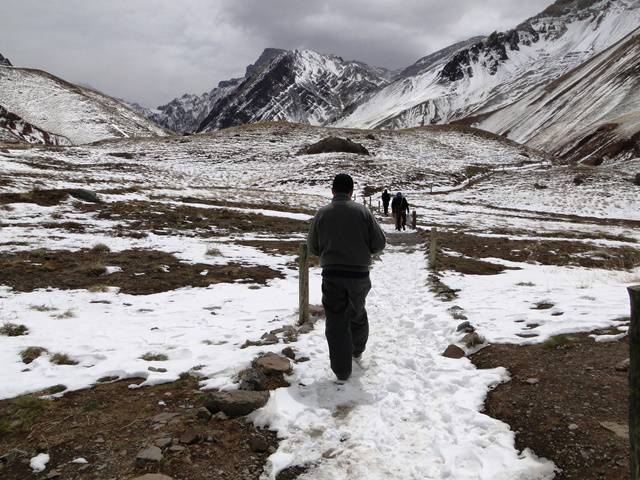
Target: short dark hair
x,y
342,183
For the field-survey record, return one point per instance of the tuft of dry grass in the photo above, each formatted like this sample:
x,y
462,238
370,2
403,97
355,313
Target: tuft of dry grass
x,y
98,288
29,354
100,249
62,359
154,357
213,252
13,330
66,314
42,308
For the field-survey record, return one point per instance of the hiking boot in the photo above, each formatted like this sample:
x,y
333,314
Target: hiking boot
x,y
357,356
342,379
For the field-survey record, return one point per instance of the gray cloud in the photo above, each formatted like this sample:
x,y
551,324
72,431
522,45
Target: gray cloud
x,y
153,50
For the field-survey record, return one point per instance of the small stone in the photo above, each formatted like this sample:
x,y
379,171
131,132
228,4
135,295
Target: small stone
x,y
157,370
163,442
272,363
258,444
53,474
472,340
618,429
177,448
289,353
305,328
203,414
624,365
220,416
532,381
149,454
465,327
99,440
573,427
164,417
453,351
303,359
189,437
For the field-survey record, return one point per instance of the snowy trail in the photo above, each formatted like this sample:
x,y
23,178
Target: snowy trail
x,y
407,412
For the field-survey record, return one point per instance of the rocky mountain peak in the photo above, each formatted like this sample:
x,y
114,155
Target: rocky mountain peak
x,y
265,58
4,61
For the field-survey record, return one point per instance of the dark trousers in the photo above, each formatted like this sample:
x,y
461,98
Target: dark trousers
x,y
401,220
347,326
386,208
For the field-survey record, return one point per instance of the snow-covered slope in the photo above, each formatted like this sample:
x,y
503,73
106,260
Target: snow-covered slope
x,y
298,86
186,113
62,109
15,129
502,68
591,113
4,61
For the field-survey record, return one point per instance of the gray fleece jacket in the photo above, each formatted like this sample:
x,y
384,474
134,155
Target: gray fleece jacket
x,y
344,234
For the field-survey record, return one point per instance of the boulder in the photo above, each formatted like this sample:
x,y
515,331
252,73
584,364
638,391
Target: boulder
x,y
453,351
271,363
334,145
86,195
236,403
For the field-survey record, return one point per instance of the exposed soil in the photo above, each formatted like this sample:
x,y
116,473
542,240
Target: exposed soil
x,y
144,272
45,198
545,252
165,218
110,423
559,394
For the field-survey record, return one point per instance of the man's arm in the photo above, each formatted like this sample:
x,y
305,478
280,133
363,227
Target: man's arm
x,y
377,239
312,238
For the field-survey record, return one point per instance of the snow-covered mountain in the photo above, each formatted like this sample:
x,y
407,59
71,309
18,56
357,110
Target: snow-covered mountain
x,y
4,61
186,113
591,114
298,86
500,69
15,129
66,111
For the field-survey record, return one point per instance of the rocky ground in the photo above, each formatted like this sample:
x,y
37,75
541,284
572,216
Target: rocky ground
x,y
568,401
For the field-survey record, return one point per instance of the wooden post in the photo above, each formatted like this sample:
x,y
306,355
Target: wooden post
x,y
414,220
303,280
378,206
634,383
433,247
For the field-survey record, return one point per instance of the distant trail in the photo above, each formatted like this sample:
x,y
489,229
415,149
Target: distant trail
x,y
407,413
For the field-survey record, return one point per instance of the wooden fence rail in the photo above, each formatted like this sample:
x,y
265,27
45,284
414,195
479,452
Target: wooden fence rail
x,y
433,249
634,383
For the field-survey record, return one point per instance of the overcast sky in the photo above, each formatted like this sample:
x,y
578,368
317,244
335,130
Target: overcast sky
x,y
151,51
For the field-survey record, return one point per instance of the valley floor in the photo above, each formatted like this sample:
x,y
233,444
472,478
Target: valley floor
x,y
185,273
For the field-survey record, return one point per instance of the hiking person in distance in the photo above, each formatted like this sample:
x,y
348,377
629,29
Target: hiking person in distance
x,y
399,209
386,198
345,234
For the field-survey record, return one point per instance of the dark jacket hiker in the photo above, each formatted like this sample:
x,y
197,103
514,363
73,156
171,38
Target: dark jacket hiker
x,y
386,198
399,209
345,234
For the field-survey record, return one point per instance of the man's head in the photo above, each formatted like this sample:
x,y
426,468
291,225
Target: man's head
x,y
342,183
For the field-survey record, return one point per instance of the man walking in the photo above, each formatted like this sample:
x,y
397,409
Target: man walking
x,y
399,209
386,198
344,234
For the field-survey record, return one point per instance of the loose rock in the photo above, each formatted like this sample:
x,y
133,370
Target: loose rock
x,y
258,444
189,437
473,340
236,403
272,363
149,454
253,379
465,327
289,353
453,351
203,414
624,365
